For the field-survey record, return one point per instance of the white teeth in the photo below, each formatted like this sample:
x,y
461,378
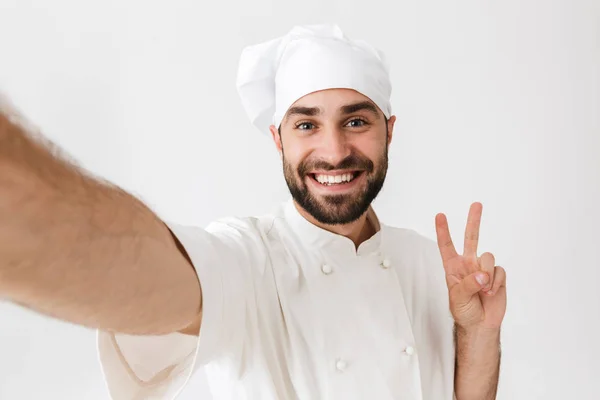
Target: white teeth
x,y
334,179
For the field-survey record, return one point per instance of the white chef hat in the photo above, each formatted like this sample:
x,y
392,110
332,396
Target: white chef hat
x,y
274,75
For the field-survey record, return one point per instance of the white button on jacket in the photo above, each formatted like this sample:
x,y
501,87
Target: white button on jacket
x,y
291,311
326,268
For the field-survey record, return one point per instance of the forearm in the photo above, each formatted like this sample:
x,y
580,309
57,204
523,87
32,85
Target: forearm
x,y
84,251
477,363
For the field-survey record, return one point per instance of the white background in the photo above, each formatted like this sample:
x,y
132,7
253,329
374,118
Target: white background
x,y
497,102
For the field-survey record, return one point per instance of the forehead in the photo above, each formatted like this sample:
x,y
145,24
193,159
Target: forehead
x,y
331,100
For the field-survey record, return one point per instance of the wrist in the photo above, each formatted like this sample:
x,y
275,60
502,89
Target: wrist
x,y
478,330
471,340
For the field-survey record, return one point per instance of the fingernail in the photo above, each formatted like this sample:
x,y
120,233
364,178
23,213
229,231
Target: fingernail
x,y
482,279
490,292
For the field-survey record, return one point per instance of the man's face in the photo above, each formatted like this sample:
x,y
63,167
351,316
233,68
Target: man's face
x,y
334,148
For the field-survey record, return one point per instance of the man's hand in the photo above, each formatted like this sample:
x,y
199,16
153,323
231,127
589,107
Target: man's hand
x,y
477,288
477,291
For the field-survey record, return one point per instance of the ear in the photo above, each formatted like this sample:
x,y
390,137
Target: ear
x,y
276,139
390,128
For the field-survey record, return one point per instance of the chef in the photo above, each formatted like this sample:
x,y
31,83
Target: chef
x,y
320,299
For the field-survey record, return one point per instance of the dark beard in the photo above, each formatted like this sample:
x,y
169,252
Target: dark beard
x,y
336,209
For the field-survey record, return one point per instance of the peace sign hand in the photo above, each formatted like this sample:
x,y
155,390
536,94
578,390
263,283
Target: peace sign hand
x,y
476,287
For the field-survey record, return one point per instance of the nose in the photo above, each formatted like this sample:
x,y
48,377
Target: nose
x,y
334,146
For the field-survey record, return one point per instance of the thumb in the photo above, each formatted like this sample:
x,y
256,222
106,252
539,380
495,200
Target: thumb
x,y
470,285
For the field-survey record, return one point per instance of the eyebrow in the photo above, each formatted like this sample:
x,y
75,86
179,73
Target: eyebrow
x,y
363,105
306,111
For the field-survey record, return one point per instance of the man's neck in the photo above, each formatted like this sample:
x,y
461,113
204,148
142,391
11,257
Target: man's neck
x,y
357,231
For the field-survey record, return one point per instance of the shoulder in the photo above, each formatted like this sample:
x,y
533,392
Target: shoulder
x,y
255,227
230,238
410,238
418,250
248,236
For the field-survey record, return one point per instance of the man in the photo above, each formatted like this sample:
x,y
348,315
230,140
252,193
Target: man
x,y
317,300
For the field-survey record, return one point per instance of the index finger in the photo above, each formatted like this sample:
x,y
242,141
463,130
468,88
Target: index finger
x,y
444,240
472,230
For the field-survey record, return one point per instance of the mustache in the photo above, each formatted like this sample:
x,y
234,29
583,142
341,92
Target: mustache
x,y
351,162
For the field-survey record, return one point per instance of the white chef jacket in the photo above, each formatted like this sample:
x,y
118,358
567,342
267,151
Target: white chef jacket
x,y
292,311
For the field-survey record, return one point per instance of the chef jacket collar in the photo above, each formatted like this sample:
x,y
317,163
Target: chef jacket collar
x,y
316,236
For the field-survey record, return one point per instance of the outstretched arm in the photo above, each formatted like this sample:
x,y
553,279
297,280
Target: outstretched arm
x,y
84,251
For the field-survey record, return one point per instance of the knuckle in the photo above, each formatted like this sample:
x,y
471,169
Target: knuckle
x,y
472,236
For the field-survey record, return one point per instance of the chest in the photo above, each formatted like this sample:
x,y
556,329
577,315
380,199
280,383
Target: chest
x,y
345,322
340,299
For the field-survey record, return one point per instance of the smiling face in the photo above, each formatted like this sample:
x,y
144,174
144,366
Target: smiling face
x,y
334,146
